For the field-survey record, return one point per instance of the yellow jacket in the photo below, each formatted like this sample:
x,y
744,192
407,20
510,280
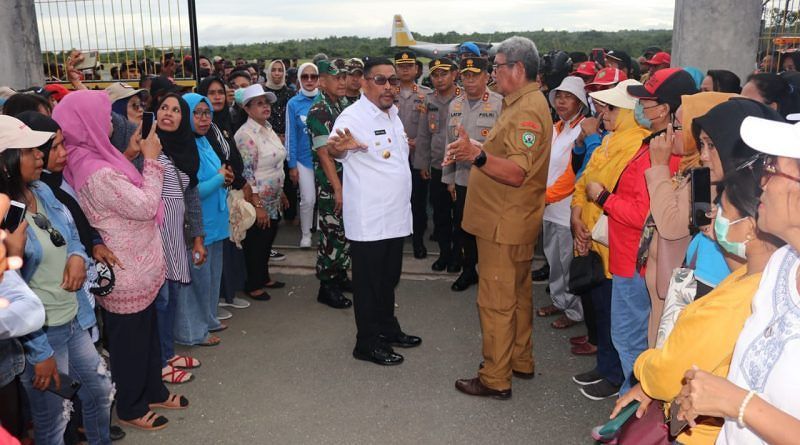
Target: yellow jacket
x,y
704,335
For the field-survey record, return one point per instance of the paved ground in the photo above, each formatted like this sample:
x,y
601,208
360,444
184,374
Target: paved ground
x,y
284,374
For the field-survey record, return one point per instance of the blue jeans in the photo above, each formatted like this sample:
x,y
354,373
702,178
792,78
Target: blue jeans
x,y
630,313
197,311
76,356
607,358
169,298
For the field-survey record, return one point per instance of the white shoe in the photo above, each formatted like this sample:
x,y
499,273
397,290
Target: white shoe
x,y
223,314
305,241
238,303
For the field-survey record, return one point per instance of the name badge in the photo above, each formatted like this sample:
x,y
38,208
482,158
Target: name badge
x,y
380,132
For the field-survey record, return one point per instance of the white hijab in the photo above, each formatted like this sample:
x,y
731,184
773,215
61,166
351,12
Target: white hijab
x,y
307,93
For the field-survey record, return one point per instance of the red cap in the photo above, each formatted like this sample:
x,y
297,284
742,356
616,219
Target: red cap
x,y
661,58
665,83
57,91
608,76
585,69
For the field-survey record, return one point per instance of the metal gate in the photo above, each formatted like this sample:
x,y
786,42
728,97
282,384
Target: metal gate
x,y
779,45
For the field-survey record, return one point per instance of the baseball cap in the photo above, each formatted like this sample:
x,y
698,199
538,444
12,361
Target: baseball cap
x,y
660,58
570,84
254,91
405,57
218,59
617,96
473,64
585,69
771,137
57,91
325,66
469,48
354,64
620,56
666,86
608,76
15,134
442,63
120,90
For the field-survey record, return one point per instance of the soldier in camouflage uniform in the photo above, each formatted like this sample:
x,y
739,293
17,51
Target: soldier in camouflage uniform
x,y
333,257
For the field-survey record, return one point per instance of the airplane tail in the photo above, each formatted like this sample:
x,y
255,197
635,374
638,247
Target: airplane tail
x,y
401,36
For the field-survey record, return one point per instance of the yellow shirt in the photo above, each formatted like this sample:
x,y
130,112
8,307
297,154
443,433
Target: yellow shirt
x,y
704,335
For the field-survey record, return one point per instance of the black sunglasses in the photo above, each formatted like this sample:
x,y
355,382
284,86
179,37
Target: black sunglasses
x,y
381,80
43,223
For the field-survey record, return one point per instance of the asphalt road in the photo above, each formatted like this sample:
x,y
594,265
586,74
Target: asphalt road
x,y
284,374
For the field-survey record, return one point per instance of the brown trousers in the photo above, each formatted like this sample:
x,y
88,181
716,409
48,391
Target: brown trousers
x,y
505,308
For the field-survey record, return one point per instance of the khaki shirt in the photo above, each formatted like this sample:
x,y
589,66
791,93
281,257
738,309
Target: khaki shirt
x,y
477,120
410,104
432,131
522,134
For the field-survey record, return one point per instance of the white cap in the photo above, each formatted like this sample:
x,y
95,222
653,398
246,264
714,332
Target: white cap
x,y
618,96
573,85
771,137
120,90
15,134
257,90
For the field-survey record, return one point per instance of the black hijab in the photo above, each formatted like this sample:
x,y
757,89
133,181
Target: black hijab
x,y
40,122
221,135
722,125
222,118
179,145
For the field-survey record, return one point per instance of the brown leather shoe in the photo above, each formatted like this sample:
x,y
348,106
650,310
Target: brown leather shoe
x,y
474,387
518,374
584,349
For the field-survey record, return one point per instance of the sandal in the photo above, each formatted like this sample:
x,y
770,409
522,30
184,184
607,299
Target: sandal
x,y
174,401
176,376
222,327
275,284
184,362
563,322
259,295
148,422
548,311
211,340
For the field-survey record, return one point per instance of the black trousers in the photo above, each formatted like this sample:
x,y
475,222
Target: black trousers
x,y
376,271
11,408
256,246
233,271
291,194
463,242
443,208
419,206
135,351
589,316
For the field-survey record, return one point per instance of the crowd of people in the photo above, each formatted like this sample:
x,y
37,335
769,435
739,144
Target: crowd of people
x,y
136,217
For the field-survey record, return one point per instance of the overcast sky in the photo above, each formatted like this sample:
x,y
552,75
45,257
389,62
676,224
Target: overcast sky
x,y
243,21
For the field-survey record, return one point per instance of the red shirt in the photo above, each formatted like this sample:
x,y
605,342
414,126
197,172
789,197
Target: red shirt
x,y
627,209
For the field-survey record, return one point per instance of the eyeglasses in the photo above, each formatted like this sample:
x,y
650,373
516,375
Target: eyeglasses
x,y
771,169
381,80
309,77
43,223
676,126
498,65
204,114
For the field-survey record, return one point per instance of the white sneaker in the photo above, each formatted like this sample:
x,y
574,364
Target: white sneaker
x,y
238,303
305,241
223,314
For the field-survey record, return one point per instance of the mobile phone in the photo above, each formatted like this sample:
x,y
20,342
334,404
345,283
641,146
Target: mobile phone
x,y
675,425
14,216
701,196
147,123
89,60
610,429
68,389
599,55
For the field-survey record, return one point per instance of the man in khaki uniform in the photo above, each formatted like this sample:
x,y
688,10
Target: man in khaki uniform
x,y
410,102
476,110
428,156
505,202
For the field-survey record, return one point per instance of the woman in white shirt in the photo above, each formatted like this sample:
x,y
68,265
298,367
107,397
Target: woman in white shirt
x,y
760,400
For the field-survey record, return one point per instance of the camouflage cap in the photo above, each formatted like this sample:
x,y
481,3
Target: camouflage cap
x,y
354,64
327,67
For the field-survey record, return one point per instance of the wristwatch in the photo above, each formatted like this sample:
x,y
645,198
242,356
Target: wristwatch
x,y
480,159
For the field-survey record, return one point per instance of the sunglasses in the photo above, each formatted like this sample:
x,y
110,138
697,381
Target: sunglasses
x,y
43,223
381,80
309,77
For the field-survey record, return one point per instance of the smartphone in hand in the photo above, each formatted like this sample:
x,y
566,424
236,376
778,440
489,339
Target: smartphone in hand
x,y
14,216
700,179
147,123
68,389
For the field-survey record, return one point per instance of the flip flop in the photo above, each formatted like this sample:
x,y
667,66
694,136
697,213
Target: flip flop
x,y
548,311
174,401
563,322
149,422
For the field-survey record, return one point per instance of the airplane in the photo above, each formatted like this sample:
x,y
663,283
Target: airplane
x,y
402,38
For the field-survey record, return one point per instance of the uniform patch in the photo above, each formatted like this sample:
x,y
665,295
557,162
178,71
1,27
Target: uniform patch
x,y
531,124
485,132
379,132
528,138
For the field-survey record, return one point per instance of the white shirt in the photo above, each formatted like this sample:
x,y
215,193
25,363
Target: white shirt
x,y
376,190
767,354
560,158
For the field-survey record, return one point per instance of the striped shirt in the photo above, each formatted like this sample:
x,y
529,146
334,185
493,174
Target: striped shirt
x,y
172,239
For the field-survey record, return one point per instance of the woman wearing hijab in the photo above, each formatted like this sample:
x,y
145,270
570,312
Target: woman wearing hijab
x,y
301,171
182,219
220,136
276,83
125,207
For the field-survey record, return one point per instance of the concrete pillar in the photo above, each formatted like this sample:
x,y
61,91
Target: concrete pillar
x,y
717,34
20,51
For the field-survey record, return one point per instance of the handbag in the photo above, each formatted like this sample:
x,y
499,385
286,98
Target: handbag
x,y
586,272
651,429
600,230
682,291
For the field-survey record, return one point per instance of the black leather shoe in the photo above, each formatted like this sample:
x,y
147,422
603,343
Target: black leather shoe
x,y
379,356
333,297
454,267
116,433
474,387
401,340
541,274
464,281
420,252
345,285
440,264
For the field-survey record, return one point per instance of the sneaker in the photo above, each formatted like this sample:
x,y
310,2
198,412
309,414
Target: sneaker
x,y
600,390
587,378
305,241
237,303
274,255
223,314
